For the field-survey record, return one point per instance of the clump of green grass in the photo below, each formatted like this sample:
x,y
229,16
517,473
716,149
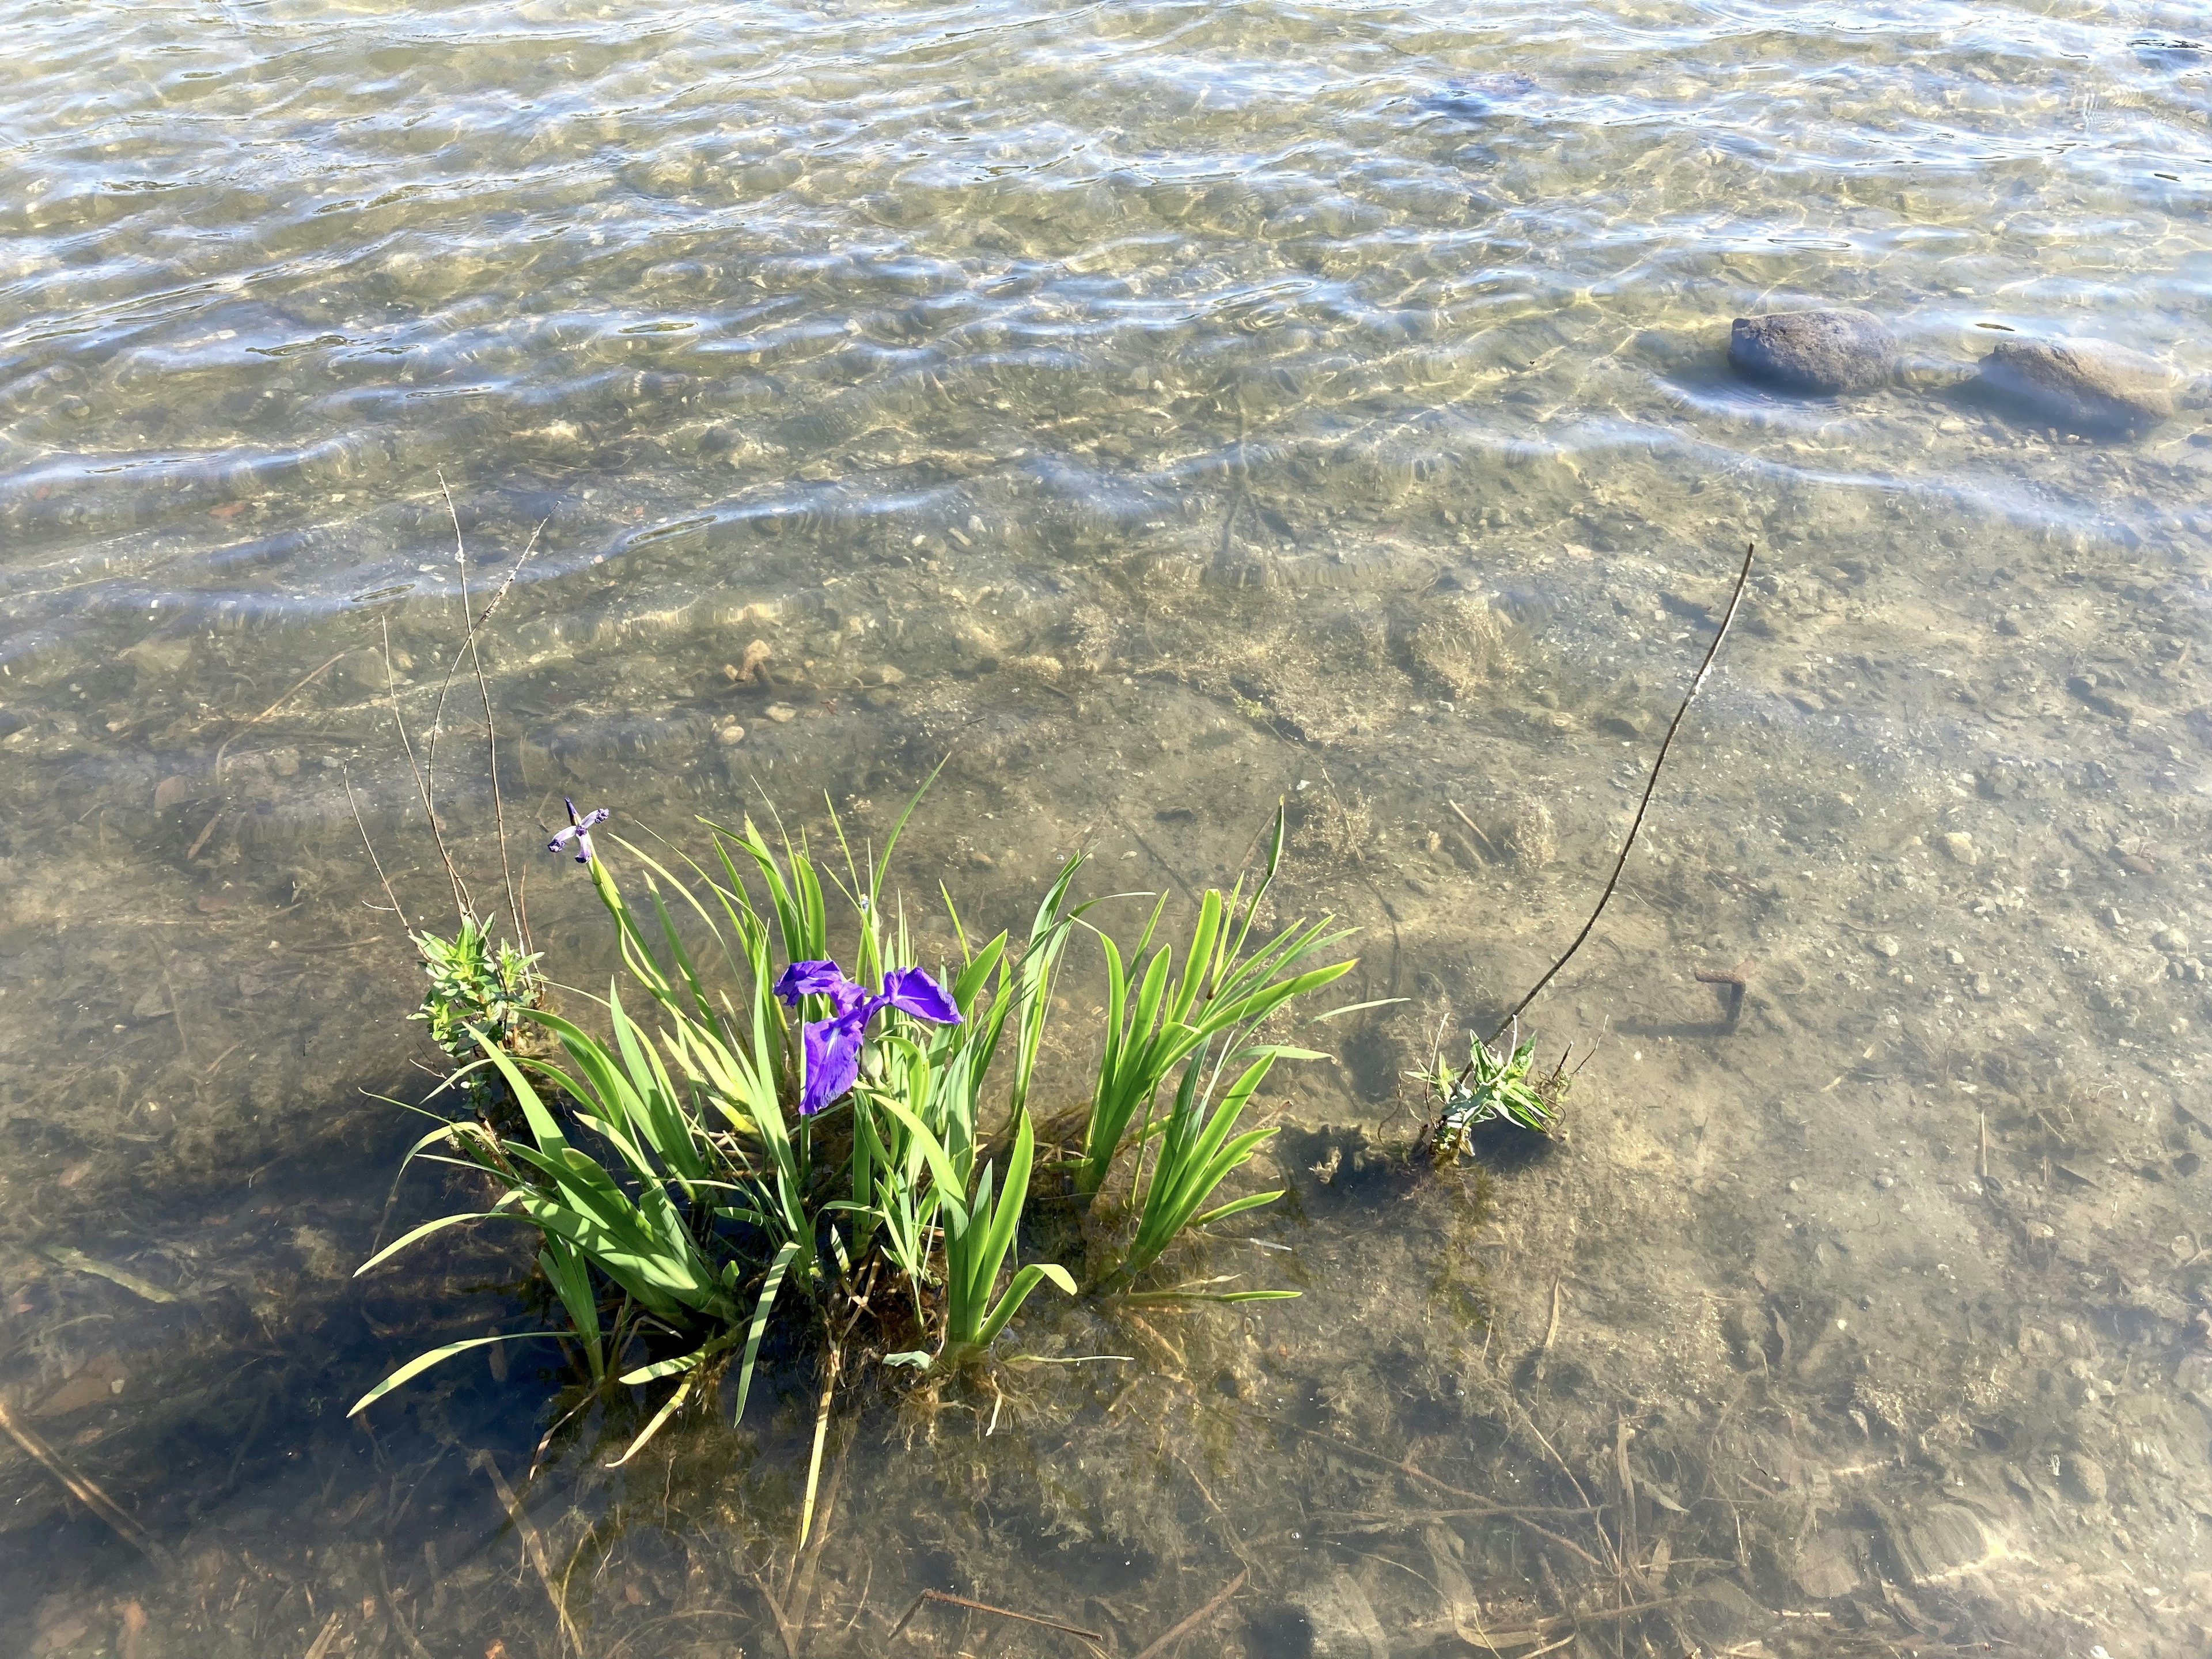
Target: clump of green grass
x,y
1157,1021
772,1136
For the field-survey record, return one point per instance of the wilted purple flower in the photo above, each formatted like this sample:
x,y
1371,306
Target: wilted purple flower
x,y
579,832
832,1046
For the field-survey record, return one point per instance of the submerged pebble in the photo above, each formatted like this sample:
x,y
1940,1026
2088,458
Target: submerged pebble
x,y
1328,1617
1819,352
2083,1479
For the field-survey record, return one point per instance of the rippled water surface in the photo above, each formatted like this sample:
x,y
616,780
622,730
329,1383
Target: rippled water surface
x,y
1160,411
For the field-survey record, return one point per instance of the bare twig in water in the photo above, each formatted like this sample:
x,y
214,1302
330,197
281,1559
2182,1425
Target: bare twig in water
x,y
1219,1601
1519,1517
422,784
1652,784
1566,1623
176,1010
85,1491
323,1643
952,1601
830,1366
533,1546
375,863
1551,1335
1472,827
398,1619
1731,983
303,684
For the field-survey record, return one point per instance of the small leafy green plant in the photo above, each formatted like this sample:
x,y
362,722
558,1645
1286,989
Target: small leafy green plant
x,y
477,985
1493,1087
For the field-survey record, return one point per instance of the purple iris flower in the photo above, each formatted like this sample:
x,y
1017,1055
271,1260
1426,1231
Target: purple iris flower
x,y
819,979
832,1046
579,832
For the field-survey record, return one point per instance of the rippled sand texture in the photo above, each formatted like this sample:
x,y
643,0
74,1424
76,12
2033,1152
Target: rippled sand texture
x,y
1161,410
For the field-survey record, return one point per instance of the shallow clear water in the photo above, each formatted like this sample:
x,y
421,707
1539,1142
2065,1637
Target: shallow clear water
x,y
1158,409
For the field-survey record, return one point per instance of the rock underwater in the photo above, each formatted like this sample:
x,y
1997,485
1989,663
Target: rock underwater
x,y
1825,352
2088,386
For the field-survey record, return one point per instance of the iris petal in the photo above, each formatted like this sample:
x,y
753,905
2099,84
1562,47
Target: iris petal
x,y
805,979
833,1061
911,990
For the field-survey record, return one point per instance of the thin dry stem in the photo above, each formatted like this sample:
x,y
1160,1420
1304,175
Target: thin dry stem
x,y
422,784
473,633
1184,1628
1651,786
368,846
85,1491
305,681
533,1546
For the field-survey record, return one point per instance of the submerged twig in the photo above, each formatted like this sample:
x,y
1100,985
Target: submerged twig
x,y
304,683
422,784
533,1546
82,1488
1220,1601
952,1600
1472,827
370,846
1518,1517
1551,1335
830,1367
1652,784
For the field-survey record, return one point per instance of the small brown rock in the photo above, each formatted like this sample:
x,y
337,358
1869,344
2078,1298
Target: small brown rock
x,y
781,713
2082,1479
171,791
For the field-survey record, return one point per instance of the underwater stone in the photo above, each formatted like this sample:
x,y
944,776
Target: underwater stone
x,y
1959,845
1328,1618
1885,945
1827,1565
1940,1542
2082,1479
2083,386
1820,351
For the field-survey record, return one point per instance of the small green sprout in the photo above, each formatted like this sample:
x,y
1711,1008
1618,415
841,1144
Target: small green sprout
x,y
1492,1086
476,985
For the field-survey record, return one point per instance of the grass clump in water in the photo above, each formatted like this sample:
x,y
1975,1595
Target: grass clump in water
x,y
781,1137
